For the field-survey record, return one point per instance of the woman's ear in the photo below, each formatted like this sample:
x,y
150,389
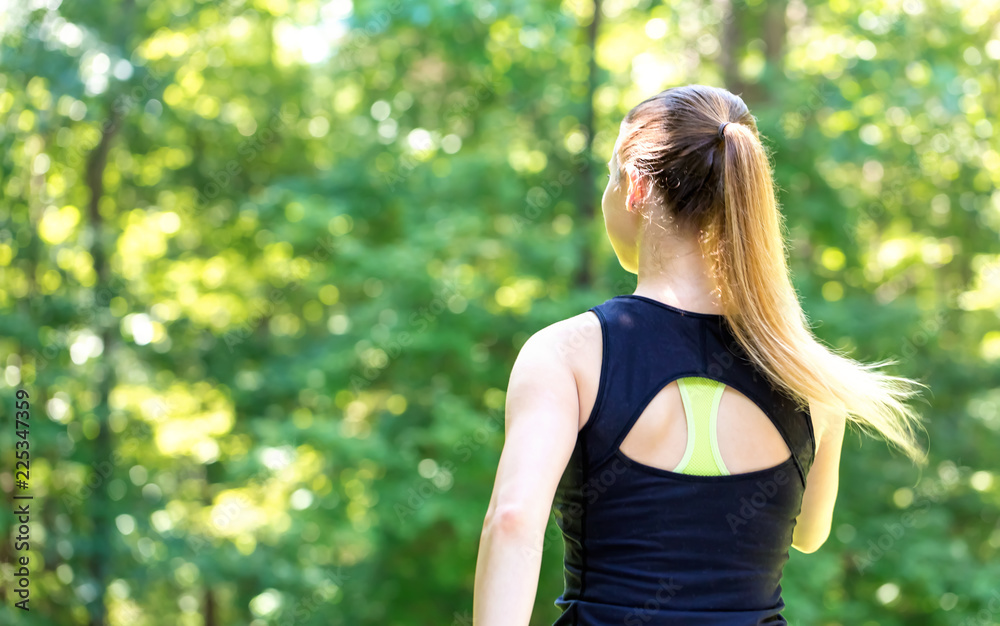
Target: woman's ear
x,y
636,188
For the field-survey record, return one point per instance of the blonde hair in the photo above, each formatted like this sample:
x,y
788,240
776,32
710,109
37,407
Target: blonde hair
x,y
716,177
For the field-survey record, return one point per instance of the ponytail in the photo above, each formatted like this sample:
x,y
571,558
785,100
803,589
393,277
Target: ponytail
x,y
700,147
766,317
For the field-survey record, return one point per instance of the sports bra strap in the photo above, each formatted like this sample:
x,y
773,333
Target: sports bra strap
x,y
701,397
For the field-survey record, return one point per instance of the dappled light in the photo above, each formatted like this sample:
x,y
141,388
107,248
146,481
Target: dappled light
x,y
265,266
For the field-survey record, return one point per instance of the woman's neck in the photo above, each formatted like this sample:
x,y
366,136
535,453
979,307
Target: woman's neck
x,y
673,269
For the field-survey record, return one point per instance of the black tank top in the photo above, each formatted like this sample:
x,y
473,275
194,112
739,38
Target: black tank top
x,y
647,546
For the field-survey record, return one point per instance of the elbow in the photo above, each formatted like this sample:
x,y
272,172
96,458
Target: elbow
x,y
807,543
505,520
516,529
808,548
810,534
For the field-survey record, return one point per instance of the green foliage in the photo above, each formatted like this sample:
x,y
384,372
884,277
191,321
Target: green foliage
x,y
265,267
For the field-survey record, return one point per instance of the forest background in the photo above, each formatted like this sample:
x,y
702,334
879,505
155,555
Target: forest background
x,y
265,266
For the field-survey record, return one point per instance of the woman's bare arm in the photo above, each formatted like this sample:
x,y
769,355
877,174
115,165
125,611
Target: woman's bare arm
x,y
813,523
542,418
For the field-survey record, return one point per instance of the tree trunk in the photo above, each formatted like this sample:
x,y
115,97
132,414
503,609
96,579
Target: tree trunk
x,y
210,610
587,199
99,507
775,29
732,46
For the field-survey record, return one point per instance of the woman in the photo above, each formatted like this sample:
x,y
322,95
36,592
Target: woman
x,y
688,434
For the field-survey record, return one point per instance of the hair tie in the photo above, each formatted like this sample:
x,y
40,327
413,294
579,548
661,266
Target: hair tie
x,y
722,130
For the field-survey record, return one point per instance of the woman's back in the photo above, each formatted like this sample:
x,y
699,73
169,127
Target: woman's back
x,y
677,469
644,542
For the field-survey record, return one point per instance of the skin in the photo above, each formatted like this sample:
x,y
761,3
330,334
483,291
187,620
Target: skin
x,y
552,390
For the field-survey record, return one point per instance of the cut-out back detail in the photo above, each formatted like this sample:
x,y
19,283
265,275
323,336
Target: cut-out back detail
x,y
721,433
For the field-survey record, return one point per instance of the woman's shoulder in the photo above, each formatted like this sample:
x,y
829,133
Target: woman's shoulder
x,y
567,337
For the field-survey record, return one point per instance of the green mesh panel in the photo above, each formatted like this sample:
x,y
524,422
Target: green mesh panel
x,y
701,397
